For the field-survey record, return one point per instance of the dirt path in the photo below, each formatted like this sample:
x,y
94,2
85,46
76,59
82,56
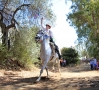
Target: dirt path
x,y
78,78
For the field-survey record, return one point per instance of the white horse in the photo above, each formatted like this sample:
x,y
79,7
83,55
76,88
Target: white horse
x,y
46,52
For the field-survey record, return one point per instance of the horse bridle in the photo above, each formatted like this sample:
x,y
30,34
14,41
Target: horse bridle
x,y
39,34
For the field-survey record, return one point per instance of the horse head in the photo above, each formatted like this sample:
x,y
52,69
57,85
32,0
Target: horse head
x,y
40,36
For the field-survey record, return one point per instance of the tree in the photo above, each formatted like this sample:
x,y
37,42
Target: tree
x,y
70,54
84,18
19,21
15,13
24,50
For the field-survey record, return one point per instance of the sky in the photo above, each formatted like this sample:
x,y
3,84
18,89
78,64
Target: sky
x,y
64,34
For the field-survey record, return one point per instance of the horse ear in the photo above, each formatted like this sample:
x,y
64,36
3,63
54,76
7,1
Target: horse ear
x,y
39,30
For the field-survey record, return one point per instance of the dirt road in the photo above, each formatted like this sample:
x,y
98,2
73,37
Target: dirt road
x,y
72,78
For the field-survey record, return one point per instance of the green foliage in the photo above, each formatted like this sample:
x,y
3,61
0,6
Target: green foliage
x,y
4,54
84,53
27,14
23,13
24,47
71,55
84,17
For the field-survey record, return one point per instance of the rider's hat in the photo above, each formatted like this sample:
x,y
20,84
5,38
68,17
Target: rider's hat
x,y
48,25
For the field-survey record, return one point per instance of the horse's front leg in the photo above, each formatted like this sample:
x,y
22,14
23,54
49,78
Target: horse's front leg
x,y
39,75
43,67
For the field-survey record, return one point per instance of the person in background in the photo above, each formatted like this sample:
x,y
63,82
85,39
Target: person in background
x,y
64,62
91,64
95,63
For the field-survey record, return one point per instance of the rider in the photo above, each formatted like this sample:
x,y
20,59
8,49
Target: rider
x,y
47,29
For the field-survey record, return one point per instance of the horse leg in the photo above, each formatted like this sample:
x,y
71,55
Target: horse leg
x,y
39,75
44,65
47,71
53,68
58,62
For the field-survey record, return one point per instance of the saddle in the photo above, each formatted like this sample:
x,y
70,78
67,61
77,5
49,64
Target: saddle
x,y
53,50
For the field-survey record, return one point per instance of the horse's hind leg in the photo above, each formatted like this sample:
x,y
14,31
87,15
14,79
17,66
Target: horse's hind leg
x,y
58,62
47,71
53,68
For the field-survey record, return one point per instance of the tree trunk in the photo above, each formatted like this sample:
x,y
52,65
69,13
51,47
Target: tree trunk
x,y
4,35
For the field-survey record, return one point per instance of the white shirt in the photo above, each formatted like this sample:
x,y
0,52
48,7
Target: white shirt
x,y
48,32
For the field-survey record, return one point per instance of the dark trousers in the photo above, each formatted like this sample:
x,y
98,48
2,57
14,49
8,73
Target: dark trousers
x,y
56,47
91,66
57,50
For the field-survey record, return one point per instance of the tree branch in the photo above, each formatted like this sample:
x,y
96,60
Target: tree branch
x,y
10,26
13,21
19,8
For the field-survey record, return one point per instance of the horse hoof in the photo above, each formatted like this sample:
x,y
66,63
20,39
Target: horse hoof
x,y
37,80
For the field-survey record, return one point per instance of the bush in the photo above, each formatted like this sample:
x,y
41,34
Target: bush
x,y
70,55
23,51
4,54
24,48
